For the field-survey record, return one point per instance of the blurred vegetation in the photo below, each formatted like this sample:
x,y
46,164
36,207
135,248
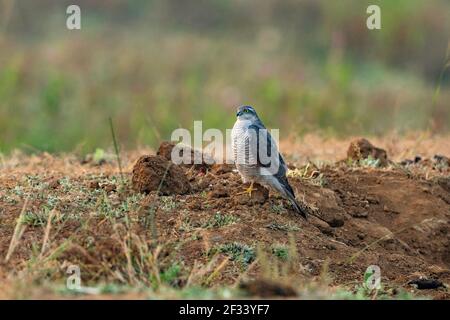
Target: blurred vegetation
x,y
154,66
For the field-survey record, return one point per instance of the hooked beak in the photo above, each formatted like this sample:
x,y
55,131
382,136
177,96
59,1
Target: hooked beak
x,y
239,113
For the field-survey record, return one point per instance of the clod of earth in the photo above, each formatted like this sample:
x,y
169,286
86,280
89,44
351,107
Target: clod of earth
x,y
218,192
155,173
191,157
361,149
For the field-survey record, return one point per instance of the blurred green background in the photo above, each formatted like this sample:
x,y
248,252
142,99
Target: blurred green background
x,y
153,66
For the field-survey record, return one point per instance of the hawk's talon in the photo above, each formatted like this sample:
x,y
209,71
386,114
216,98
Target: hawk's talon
x,y
249,190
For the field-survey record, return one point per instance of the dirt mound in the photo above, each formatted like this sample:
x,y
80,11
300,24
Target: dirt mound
x,y
191,157
362,149
153,173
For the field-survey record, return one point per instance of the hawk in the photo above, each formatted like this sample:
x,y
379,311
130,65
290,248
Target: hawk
x,y
257,158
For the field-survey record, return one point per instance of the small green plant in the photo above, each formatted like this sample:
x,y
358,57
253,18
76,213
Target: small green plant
x,y
281,252
171,274
220,220
168,276
52,201
118,210
99,157
34,219
237,251
39,218
369,162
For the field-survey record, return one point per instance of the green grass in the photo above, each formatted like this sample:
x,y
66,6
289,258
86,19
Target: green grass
x,y
35,219
171,274
281,252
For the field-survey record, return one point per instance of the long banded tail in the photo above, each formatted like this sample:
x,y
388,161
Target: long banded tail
x,y
297,207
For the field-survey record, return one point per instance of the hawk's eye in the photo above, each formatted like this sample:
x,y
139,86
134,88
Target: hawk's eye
x,y
245,110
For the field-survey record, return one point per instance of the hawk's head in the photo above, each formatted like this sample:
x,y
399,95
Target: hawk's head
x,y
246,113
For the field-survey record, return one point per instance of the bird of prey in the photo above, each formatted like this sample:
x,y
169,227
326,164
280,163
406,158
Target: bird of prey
x,y
257,158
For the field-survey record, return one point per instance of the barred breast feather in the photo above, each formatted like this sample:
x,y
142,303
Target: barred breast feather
x,y
245,156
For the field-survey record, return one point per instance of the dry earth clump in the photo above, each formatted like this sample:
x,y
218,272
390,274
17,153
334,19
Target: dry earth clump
x,y
361,149
155,173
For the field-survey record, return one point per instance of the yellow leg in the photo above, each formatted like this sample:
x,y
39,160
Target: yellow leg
x,y
249,190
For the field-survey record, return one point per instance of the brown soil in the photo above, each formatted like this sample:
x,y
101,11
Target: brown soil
x,y
155,173
389,219
395,217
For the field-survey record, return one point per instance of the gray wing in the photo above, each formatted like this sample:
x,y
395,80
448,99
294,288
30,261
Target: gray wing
x,y
266,145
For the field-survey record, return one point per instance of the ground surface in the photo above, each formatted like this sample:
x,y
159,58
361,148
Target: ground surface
x,y
212,242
